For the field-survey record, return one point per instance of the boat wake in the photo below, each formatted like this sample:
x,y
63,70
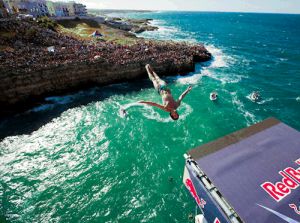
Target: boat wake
x,y
250,118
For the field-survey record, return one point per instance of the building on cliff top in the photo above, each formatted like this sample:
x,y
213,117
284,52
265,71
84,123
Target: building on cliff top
x,y
80,9
39,8
51,8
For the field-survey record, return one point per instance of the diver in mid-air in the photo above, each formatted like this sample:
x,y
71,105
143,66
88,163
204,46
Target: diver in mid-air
x,y
169,104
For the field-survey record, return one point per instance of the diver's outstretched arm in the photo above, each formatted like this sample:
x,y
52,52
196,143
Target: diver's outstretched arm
x,y
155,105
181,97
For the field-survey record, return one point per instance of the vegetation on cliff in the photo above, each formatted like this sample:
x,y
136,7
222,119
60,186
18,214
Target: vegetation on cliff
x,y
83,28
25,48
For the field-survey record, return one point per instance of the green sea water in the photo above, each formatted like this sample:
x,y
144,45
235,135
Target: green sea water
x,y
76,159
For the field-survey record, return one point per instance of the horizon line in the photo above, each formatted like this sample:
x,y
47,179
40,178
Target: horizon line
x,y
176,10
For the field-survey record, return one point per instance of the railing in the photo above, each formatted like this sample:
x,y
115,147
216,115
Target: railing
x,y
214,192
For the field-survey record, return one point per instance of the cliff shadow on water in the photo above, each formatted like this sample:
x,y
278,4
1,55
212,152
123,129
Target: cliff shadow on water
x,y
34,118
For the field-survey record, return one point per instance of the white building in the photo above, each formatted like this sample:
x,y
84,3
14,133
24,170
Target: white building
x,y
36,8
61,9
71,8
39,8
80,9
51,8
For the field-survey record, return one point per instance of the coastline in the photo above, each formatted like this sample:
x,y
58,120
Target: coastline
x,y
29,73
75,157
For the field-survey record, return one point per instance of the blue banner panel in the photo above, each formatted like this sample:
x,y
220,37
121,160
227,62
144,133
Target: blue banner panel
x,y
259,173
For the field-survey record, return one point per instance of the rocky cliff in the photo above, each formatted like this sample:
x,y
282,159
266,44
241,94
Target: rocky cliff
x,y
28,73
21,91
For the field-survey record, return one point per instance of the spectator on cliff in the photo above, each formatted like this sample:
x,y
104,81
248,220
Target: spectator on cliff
x,y
169,104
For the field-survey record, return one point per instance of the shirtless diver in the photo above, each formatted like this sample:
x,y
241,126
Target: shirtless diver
x,y
169,104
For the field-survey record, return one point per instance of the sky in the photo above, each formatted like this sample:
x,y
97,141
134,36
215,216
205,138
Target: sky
x,y
272,6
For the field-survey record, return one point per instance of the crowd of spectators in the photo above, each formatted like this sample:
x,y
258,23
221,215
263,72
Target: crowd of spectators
x,y
25,46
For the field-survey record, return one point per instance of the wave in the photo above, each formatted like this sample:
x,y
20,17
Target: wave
x,y
265,101
56,100
220,59
52,101
167,32
164,31
42,108
61,99
250,118
190,79
211,68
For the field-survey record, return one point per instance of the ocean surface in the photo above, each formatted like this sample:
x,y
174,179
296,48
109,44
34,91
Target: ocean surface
x,y
76,159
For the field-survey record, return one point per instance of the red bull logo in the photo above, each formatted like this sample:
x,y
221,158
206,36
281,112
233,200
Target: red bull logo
x,y
189,184
290,181
217,220
295,208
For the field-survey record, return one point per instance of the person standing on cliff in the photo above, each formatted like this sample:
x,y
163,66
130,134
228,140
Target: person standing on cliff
x,y
169,104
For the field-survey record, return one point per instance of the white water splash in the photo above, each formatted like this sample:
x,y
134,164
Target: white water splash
x,y
261,101
265,101
190,79
123,109
220,59
250,118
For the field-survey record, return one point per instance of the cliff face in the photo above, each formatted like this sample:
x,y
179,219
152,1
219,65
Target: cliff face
x,y
18,92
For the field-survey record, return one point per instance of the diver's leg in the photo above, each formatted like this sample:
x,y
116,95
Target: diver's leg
x,y
155,81
152,74
148,68
155,75
157,78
